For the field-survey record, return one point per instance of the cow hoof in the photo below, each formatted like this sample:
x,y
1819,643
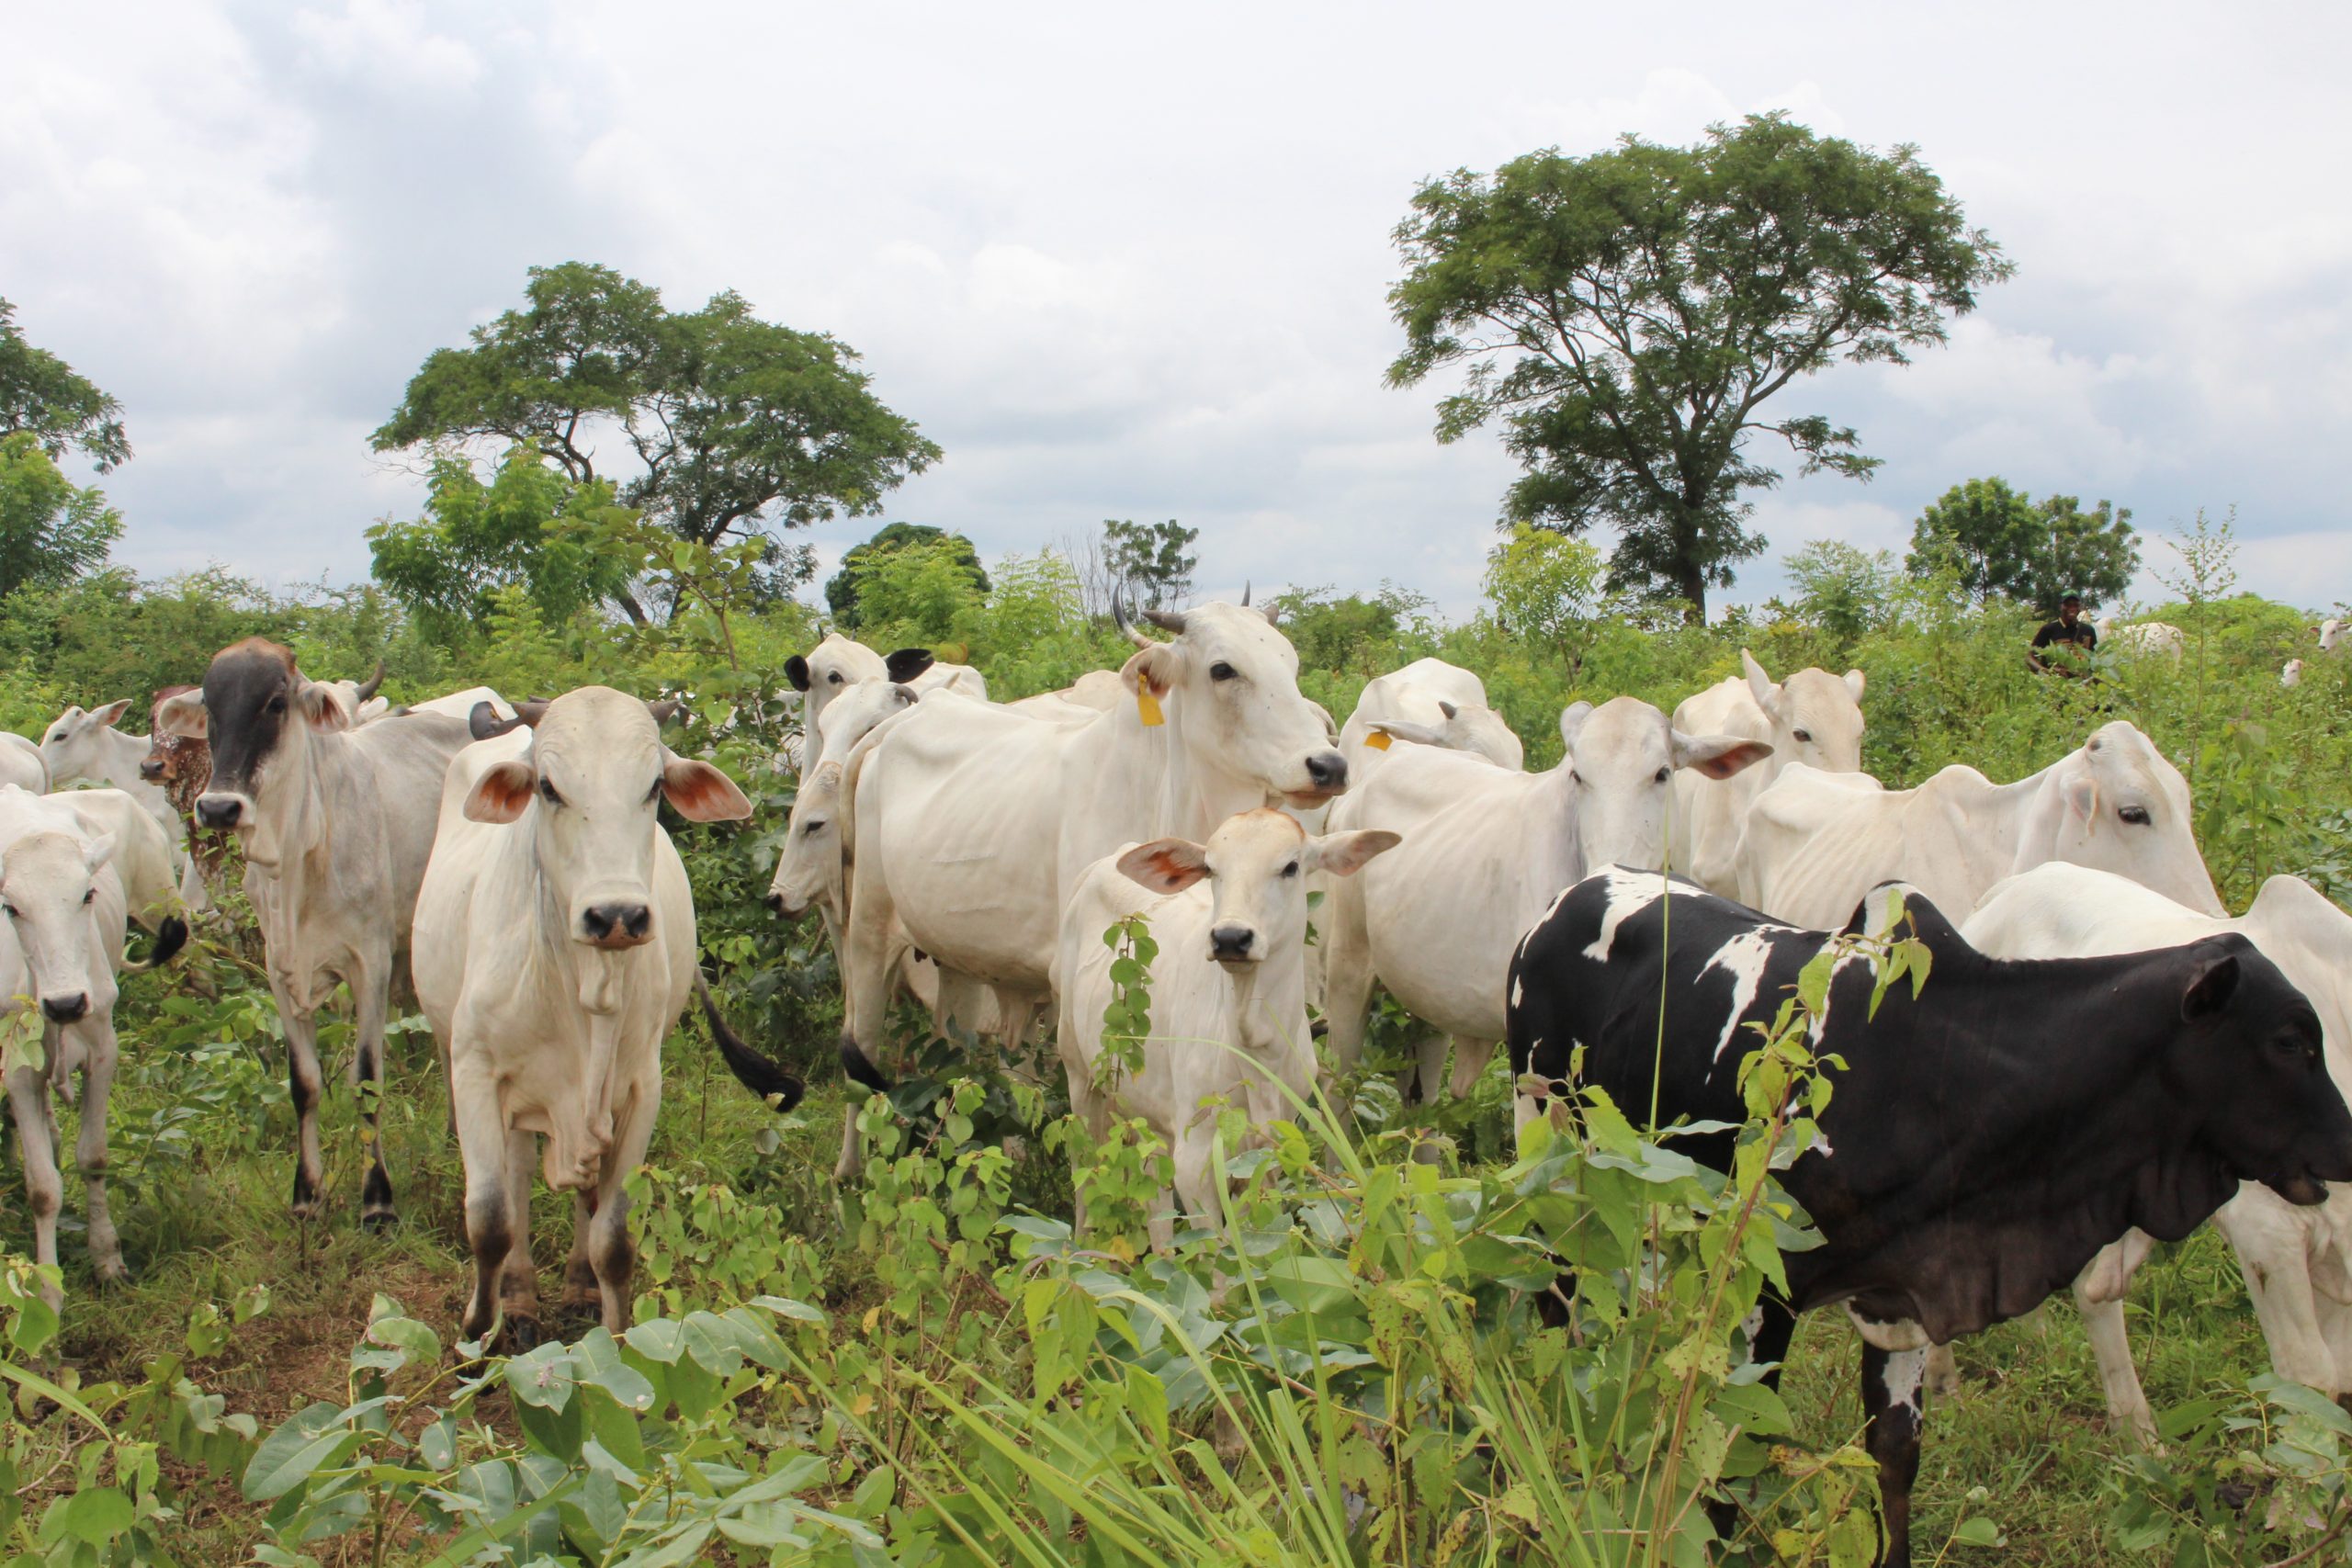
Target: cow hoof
x,y
113,1275
522,1333
378,1221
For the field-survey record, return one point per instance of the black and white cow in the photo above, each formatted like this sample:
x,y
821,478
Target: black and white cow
x,y
1970,1166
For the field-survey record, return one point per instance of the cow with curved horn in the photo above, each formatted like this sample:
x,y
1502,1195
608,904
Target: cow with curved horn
x,y
336,824
555,949
969,824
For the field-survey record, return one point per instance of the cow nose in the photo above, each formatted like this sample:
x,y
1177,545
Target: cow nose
x,y
1329,769
617,922
1229,942
775,903
151,769
218,810
67,1010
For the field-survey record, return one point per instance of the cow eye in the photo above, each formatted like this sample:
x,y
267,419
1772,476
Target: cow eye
x,y
835,679
2135,815
1291,869
548,794
816,827
654,794
93,893
1221,670
1803,736
278,704
1575,777
1663,774
11,909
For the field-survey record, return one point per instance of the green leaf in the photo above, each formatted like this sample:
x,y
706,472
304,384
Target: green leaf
x,y
96,1514
1977,1531
313,1440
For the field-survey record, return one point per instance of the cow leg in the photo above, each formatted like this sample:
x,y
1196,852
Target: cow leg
x,y
869,958
1199,1177
1347,974
98,1057
579,1273
37,1146
304,1086
1089,1107
1418,1084
1892,1380
609,1251
371,993
482,1146
2099,1290
518,1280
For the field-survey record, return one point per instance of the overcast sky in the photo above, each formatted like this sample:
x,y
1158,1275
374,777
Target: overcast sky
x,y
1130,262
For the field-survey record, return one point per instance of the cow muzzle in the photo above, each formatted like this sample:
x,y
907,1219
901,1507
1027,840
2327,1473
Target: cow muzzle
x,y
2302,1188
222,810
152,769
1234,944
67,1010
617,925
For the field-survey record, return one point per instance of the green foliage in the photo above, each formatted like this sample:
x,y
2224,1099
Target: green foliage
x,y
1148,560
918,589
1846,591
737,424
530,527
1628,315
841,589
1549,591
41,396
52,530
2000,543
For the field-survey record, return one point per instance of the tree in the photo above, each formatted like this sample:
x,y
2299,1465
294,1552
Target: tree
x,y
841,589
41,395
529,528
2004,545
1543,583
1844,590
52,530
920,588
1982,531
1627,316
1148,559
737,425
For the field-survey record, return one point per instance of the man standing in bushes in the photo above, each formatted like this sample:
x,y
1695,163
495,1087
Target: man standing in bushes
x,y
2069,628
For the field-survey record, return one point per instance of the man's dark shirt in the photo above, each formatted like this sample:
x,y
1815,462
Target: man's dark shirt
x,y
2080,634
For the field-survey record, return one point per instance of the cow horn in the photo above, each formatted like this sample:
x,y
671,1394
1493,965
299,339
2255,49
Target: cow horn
x,y
484,723
1167,620
1127,627
664,711
367,687
1245,592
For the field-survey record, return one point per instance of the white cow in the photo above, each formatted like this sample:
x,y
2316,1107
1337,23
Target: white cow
x,y
1431,703
2331,635
2145,638
839,662
1813,717
2292,675
1485,852
2298,1261
21,764
555,949
62,916
358,699
86,745
970,823
1097,690
1228,990
1815,842
337,825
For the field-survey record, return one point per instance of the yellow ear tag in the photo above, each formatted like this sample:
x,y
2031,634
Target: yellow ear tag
x,y
1148,708
1378,740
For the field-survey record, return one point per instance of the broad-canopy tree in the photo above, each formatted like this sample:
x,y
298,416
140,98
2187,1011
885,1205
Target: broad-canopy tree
x,y
737,425
2002,544
529,527
1148,559
1628,316
52,530
955,550
41,396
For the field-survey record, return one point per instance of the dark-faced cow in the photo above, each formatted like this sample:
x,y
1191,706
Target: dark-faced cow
x,y
337,825
1967,1170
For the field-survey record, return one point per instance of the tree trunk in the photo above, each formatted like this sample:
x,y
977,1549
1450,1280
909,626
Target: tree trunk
x,y
1693,586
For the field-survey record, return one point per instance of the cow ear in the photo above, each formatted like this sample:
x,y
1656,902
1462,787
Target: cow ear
x,y
795,670
110,713
1155,668
502,792
1343,854
1717,756
320,709
100,851
1854,683
907,663
182,715
1165,865
2210,988
1759,684
1572,723
1405,729
826,780
701,793
2082,797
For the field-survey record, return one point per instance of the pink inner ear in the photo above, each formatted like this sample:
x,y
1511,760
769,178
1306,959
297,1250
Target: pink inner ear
x,y
703,794
1746,754
502,794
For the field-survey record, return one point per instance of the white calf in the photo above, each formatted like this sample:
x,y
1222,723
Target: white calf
x,y
1229,993
60,942
554,950
1812,717
86,745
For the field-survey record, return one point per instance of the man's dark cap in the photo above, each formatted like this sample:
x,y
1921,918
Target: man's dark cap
x,y
2071,599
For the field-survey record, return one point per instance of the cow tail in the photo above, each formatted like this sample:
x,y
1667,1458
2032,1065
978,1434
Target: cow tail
x,y
170,937
754,1071
860,1070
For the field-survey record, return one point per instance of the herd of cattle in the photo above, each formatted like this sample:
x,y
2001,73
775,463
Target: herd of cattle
x,y
2103,1057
